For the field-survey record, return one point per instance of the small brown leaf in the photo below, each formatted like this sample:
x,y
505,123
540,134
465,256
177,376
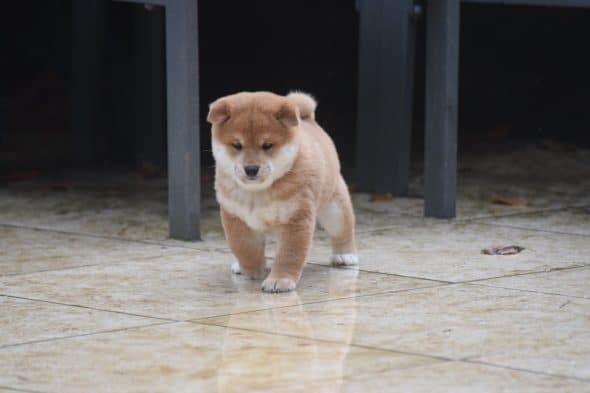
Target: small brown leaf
x,y
381,197
508,250
514,202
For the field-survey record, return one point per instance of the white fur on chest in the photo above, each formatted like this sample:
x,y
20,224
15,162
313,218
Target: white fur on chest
x,y
256,209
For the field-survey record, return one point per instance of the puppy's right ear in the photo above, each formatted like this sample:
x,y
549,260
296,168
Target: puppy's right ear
x,y
218,111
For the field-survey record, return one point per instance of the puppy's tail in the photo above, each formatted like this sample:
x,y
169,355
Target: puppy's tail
x,y
305,102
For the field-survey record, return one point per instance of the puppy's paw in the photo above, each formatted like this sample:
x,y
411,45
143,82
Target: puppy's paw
x,y
235,267
344,259
274,284
253,274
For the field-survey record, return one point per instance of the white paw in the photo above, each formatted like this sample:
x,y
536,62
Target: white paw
x,y
345,259
235,268
275,285
252,274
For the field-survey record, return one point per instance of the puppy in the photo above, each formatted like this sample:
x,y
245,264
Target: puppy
x,y
277,171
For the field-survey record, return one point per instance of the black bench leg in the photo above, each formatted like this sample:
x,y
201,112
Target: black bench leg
x,y
385,86
442,66
184,187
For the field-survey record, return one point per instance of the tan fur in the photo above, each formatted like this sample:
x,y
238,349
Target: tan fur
x,y
298,182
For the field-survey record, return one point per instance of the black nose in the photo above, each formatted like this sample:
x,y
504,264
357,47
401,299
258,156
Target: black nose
x,y
251,170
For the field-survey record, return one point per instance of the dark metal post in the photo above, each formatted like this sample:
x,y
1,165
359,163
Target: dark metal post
x,y
184,187
385,86
442,74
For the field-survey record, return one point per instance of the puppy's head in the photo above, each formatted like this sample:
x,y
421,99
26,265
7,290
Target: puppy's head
x,y
254,137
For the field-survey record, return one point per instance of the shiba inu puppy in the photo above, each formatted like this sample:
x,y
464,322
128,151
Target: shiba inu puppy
x,y
277,171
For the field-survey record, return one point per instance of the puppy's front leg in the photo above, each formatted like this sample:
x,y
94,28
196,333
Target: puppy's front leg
x,y
246,244
294,240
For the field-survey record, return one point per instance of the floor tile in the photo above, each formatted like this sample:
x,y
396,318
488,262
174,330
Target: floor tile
x,y
24,321
571,282
452,252
24,250
457,321
573,221
446,377
187,357
138,214
191,285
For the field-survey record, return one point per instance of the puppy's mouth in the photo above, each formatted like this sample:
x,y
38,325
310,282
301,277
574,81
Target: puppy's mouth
x,y
252,181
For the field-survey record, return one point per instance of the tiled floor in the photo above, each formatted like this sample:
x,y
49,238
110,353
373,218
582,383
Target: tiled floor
x,y
95,298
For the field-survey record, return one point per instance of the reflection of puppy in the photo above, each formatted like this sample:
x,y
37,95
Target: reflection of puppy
x,y
276,171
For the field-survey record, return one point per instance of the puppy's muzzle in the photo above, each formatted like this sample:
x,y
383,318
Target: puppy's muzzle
x,y
251,171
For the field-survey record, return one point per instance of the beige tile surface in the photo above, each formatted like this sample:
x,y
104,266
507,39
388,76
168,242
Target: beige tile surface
x,y
452,252
523,325
458,321
546,179
571,282
193,284
187,357
474,200
24,321
140,214
447,377
24,250
573,221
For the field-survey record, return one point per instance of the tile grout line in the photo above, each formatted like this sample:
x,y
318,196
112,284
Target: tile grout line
x,y
106,237
404,215
526,370
382,273
91,308
394,351
531,229
192,320
51,270
40,341
134,259
326,341
556,269
475,220
198,320
529,291
20,389
484,217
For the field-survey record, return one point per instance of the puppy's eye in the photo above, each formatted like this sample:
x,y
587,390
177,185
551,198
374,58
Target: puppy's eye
x,y
237,146
266,146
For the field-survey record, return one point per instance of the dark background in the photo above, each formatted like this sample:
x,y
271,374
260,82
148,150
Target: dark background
x,y
524,74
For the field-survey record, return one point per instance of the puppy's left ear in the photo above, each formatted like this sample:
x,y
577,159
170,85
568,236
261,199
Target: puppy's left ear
x,y
218,111
288,114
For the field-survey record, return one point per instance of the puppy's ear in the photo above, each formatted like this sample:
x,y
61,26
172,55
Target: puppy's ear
x,y
288,114
218,111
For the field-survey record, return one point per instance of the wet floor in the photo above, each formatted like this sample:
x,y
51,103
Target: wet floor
x,y
94,297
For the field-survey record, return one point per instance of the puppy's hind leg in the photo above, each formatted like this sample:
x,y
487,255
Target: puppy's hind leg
x,y
247,246
337,218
